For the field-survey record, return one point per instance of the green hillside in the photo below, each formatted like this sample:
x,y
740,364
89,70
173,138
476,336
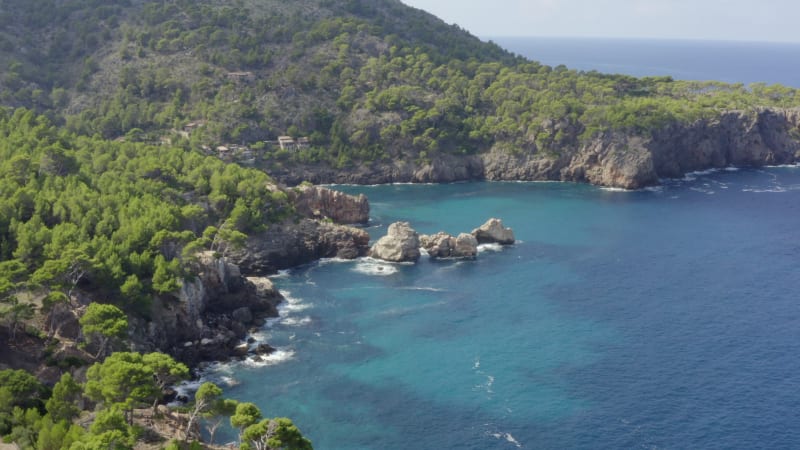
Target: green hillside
x,y
363,80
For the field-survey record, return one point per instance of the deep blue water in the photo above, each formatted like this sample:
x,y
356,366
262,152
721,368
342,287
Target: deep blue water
x,y
664,318
733,62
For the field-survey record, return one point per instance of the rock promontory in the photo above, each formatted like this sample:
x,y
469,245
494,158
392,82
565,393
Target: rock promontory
x,y
292,244
401,244
494,232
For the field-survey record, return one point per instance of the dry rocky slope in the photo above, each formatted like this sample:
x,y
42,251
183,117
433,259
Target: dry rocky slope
x,y
768,136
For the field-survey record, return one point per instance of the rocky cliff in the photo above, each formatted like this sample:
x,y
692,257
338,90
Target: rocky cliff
x,y
322,203
293,244
209,316
754,138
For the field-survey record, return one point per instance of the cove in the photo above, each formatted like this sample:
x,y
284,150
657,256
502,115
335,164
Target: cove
x,y
657,318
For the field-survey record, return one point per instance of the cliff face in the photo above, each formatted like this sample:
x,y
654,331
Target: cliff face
x,y
290,245
210,315
320,203
734,138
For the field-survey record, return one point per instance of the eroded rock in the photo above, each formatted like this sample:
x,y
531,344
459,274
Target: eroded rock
x,y
493,232
443,245
320,203
401,244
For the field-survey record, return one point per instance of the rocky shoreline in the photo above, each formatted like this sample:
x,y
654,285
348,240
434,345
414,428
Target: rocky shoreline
x,y
766,136
210,316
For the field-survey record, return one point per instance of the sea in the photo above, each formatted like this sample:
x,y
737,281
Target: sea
x,y
663,318
728,61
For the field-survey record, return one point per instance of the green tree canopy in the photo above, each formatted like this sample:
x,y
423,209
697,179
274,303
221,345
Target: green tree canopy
x,y
103,322
122,379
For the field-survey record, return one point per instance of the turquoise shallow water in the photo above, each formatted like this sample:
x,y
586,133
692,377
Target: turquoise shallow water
x,y
664,318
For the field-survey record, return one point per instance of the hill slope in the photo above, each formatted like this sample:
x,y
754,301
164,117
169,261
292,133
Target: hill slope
x,y
372,84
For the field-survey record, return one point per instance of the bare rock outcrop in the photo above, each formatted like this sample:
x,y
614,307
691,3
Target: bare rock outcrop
x,y
292,244
210,314
493,232
319,203
401,244
766,136
443,245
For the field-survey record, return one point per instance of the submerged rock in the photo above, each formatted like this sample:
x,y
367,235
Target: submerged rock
x,y
493,232
401,244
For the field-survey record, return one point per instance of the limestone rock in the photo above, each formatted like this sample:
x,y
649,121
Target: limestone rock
x,y
319,203
493,231
401,244
466,246
292,244
443,245
211,313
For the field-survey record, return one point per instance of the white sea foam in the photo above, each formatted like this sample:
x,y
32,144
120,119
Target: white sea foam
x,y
326,261
296,322
421,288
261,335
272,321
702,190
274,358
296,307
187,389
508,437
490,248
371,266
511,439
614,189
229,381
785,166
778,189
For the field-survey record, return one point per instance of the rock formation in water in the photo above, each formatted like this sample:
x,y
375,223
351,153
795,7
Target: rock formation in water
x,y
443,245
401,244
493,232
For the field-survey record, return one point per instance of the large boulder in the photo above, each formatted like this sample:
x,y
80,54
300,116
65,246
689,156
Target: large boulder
x,y
466,246
401,244
443,245
321,203
493,232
